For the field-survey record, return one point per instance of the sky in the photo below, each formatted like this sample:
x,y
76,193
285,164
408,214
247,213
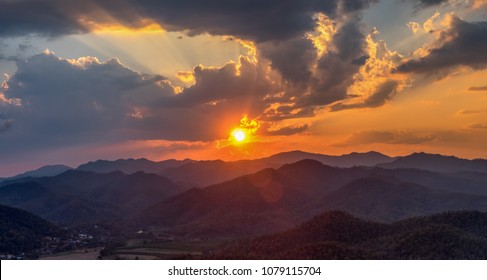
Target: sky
x,y
109,79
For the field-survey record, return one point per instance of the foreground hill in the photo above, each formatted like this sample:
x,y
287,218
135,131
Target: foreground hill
x,y
338,235
22,231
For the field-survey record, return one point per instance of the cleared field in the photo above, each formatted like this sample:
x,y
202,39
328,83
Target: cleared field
x,y
151,251
168,249
88,254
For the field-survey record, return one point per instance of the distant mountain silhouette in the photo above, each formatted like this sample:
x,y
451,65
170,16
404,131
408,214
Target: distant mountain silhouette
x,y
262,202
129,166
346,160
77,197
193,173
272,199
463,182
45,171
22,231
205,173
338,235
438,163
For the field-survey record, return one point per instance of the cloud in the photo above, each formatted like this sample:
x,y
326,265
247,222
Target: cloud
x,y
374,85
219,85
385,137
477,126
67,102
332,73
288,130
293,58
428,3
478,88
414,26
471,112
270,20
24,47
314,47
19,18
383,93
479,4
462,44
5,125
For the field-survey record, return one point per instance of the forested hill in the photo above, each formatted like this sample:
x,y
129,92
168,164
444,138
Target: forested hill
x,y
338,235
23,231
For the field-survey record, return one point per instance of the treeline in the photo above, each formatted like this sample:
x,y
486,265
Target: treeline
x,y
338,235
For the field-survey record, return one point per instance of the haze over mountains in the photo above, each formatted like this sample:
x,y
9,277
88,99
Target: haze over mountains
x,y
217,199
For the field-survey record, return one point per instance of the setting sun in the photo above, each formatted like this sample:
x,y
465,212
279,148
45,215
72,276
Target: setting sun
x,y
239,135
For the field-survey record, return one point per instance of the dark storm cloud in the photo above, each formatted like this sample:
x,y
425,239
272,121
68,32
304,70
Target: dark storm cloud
x,y
385,137
463,44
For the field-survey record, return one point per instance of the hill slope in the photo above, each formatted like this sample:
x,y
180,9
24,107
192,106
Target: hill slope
x,y
337,235
22,231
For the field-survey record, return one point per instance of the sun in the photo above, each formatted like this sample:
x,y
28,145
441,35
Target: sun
x,y
239,135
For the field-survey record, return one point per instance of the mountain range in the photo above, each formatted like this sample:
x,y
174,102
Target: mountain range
x,y
192,173
77,197
275,199
240,199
